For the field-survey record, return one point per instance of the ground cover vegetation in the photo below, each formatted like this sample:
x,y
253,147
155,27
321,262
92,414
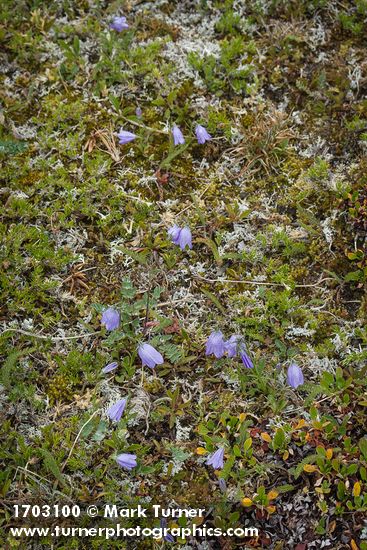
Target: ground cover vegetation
x,y
198,168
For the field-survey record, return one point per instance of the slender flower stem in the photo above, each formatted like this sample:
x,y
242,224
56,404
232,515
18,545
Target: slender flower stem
x,y
146,312
145,328
154,130
199,197
77,438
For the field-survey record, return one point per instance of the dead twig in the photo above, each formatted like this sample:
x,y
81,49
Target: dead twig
x,y
48,337
263,283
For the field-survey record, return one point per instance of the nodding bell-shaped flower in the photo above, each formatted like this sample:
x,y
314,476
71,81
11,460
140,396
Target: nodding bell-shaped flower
x,y
231,345
295,376
178,138
109,368
167,537
149,356
110,319
201,134
126,460
125,137
181,236
215,345
246,360
216,459
115,411
119,24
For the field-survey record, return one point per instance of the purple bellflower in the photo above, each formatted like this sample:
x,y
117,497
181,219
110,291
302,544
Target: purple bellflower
x,y
115,411
231,345
181,236
126,460
178,138
295,376
215,345
202,134
125,137
109,368
149,356
138,112
174,233
234,346
168,537
216,459
246,360
119,24
110,319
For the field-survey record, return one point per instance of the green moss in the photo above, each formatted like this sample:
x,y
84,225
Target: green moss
x,y
59,389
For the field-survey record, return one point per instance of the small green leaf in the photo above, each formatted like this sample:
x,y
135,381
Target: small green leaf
x,y
179,455
279,439
228,465
363,447
236,450
101,431
214,299
51,465
213,247
175,153
248,444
